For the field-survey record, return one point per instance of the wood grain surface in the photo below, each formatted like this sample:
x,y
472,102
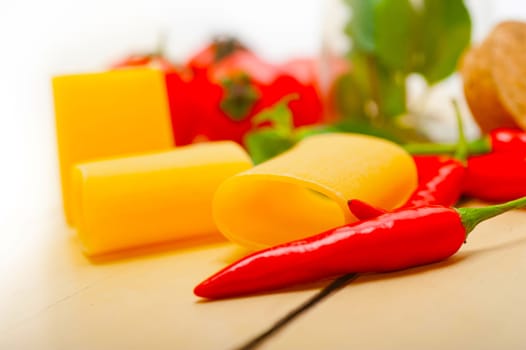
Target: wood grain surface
x,y
52,297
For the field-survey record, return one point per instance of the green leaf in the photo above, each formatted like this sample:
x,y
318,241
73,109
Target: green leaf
x,y
443,34
395,25
279,115
361,27
266,143
311,130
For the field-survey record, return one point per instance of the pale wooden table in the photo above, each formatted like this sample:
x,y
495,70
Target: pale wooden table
x,y
52,297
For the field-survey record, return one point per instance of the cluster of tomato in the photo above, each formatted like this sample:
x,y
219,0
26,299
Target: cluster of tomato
x,y
217,92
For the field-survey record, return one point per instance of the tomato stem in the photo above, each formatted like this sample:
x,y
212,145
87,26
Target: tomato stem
x,y
225,46
239,96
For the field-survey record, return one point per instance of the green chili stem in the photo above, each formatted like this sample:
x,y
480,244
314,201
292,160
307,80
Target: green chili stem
x,y
429,148
240,95
471,217
461,153
479,146
460,150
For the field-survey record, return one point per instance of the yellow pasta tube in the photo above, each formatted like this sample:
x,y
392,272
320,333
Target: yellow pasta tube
x,y
140,200
108,114
305,190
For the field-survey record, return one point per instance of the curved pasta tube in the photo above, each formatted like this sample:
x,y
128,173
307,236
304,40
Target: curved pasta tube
x,y
304,191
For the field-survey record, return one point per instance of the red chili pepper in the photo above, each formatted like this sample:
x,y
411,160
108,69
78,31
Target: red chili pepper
x,y
397,240
507,140
440,180
364,211
500,140
496,176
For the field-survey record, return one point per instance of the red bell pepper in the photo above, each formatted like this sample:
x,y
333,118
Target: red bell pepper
x,y
397,240
506,140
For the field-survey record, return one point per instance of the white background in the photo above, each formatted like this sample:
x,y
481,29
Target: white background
x,y
41,38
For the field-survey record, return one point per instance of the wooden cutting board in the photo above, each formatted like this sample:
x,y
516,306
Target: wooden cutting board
x,y
52,297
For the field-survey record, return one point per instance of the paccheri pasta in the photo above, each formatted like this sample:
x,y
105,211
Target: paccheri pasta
x,y
305,190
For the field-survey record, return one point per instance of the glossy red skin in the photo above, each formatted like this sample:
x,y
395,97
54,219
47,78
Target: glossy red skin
x,y
440,181
508,140
308,108
202,60
364,211
496,177
397,240
205,59
271,82
181,95
217,125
